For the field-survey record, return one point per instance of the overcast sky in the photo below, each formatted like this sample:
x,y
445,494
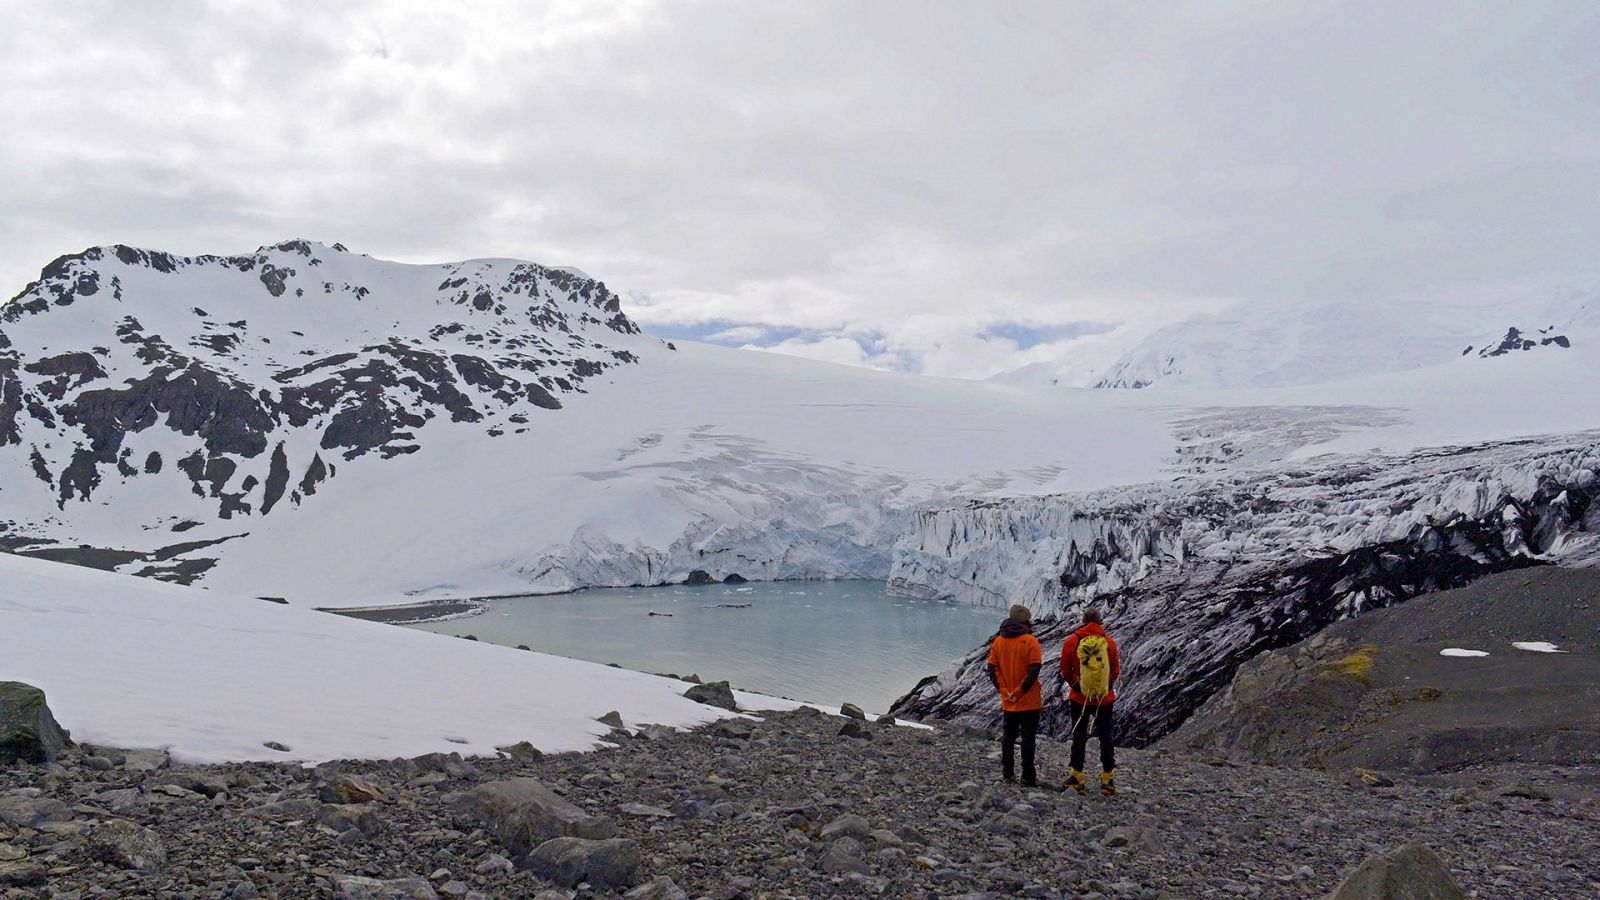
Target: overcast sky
x,y
950,188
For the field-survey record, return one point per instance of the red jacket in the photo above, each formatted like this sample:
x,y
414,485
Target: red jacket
x,y
1069,662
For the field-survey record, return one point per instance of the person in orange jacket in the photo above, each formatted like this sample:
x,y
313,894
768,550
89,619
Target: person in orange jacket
x,y
1015,659
1090,664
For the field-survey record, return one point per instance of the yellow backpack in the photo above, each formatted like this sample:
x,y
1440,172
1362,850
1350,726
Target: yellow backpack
x,y
1094,667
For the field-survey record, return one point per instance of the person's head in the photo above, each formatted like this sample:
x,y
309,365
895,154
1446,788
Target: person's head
x,y
1021,614
1091,615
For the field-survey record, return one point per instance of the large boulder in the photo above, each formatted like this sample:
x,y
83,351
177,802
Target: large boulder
x,y
197,780
717,693
523,813
611,864
127,844
28,731
1408,872
356,887
346,788
342,817
150,760
22,873
660,888
23,808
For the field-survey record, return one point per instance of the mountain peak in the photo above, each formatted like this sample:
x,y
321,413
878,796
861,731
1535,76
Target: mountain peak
x,y
303,247
123,364
1516,339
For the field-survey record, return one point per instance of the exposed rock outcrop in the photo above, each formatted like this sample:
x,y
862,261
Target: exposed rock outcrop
x,y
716,693
28,730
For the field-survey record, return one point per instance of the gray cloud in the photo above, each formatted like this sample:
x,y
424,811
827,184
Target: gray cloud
x,y
903,177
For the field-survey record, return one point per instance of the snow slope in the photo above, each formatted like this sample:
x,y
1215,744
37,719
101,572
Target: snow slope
x,y
1258,345
129,662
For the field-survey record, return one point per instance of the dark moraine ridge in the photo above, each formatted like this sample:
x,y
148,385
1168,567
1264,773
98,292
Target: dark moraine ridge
x,y
1375,691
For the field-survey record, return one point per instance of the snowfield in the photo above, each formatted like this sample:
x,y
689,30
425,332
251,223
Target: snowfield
x,y
129,662
1262,345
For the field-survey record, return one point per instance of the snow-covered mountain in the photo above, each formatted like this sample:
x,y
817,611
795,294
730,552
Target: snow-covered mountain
x,y
251,378
1256,345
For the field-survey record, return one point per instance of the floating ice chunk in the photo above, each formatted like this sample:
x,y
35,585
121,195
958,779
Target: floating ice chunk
x,y
1536,646
1457,651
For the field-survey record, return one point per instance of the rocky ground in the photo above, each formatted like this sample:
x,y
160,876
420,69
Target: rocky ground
x,y
785,807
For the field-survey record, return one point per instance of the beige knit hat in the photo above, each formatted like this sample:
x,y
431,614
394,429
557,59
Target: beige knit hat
x,y
1021,613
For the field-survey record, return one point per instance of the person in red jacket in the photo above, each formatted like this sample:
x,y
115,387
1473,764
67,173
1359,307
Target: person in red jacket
x,y
1015,659
1090,664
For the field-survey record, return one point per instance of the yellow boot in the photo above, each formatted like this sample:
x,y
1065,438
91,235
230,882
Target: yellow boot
x,y
1108,783
1078,782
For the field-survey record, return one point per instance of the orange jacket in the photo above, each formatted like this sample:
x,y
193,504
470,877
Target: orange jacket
x,y
1011,657
1069,661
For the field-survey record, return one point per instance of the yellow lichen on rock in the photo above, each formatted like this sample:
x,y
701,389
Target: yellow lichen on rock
x,y
1357,665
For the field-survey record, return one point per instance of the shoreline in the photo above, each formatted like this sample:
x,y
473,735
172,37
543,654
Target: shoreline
x,y
415,613
447,609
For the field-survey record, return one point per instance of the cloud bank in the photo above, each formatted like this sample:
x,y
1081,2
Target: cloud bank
x,y
954,189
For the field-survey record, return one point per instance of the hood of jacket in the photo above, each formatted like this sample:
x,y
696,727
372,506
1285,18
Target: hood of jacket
x,y
1012,628
1089,628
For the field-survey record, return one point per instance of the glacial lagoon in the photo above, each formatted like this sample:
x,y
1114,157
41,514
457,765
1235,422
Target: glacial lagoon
x,y
821,641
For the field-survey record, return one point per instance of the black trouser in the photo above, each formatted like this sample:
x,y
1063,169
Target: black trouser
x,y
1025,723
1101,714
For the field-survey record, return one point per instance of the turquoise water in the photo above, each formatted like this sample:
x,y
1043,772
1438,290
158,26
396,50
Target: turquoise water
x,y
823,641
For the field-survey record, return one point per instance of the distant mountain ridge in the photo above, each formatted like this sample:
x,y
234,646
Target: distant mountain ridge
x,y
251,377
1264,346
1516,340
